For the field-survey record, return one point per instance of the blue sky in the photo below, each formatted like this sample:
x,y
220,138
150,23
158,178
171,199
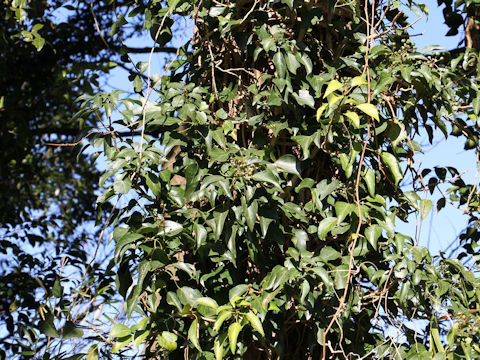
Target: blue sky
x,y
439,229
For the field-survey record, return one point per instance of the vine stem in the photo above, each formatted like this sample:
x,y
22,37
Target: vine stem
x,y
366,71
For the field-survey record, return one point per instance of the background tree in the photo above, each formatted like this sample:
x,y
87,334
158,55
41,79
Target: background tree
x,y
262,217
52,52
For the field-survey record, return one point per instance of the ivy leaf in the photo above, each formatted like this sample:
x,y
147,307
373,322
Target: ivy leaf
x,y
320,111
267,176
476,105
325,226
237,292
218,348
279,62
372,233
251,215
292,63
304,98
222,316
170,228
370,110
305,287
328,254
289,164
342,210
332,86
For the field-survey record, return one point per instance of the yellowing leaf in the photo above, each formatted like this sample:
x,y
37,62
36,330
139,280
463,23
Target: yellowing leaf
x,y
224,315
332,86
370,110
255,322
353,116
334,99
320,111
233,331
358,80
218,349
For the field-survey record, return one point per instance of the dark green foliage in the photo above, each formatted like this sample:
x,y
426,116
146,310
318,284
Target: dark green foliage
x,y
261,218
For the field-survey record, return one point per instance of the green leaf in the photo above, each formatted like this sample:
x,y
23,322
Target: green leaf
x,y
220,217
332,86
255,322
304,98
342,210
320,111
370,110
188,295
224,315
292,63
289,164
206,301
122,186
167,340
218,348
269,177
119,330
354,118
153,183
325,226
170,228
328,254
476,105
279,62
47,326
92,353
358,80
393,165
200,234
369,177
372,233
425,207
307,62
276,278
268,43
121,344
233,331
237,291
57,289
251,215
193,334
71,331
305,289
125,243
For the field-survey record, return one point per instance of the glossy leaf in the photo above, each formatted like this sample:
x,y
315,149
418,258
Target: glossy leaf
x,y
233,331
